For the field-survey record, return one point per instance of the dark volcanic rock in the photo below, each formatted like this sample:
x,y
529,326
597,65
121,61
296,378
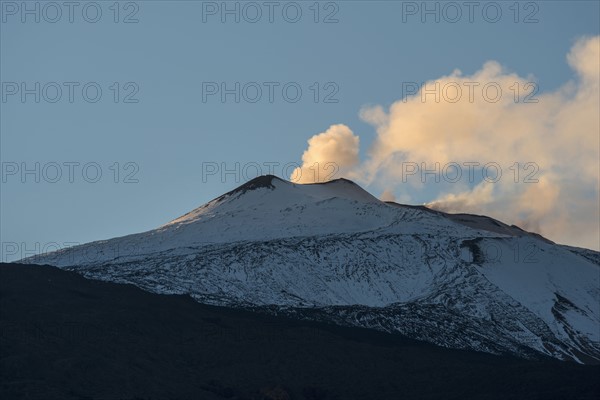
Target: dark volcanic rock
x,y
65,337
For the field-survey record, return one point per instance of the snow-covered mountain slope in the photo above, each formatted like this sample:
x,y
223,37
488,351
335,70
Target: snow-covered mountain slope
x,y
332,251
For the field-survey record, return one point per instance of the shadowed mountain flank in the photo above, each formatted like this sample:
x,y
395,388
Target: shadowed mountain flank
x,y
66,337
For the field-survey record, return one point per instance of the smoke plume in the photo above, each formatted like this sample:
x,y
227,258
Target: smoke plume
x,y
488,143
329,154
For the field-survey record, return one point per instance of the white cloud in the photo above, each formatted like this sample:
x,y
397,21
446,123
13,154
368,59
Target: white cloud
x,y
560,134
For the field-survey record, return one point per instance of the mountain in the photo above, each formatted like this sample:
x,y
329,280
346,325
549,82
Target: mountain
x,y
66,337
333,252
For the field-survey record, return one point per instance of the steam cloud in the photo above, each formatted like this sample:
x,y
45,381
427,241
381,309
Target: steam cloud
x,y
330,153
458,119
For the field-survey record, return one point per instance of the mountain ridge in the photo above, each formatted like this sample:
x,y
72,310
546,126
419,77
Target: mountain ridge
x,y
272,243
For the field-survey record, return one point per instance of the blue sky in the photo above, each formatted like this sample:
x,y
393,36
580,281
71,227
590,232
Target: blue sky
x,y
162,61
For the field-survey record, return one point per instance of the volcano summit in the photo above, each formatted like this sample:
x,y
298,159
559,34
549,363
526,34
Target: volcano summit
x,y
333,252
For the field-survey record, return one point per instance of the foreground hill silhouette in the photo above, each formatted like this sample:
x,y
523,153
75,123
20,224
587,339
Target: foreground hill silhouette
x,y
65,337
